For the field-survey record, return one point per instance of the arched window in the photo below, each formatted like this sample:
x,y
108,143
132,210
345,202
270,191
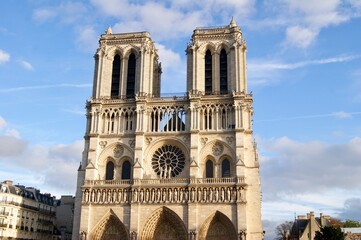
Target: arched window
x,y
115,76
109,174
126,170
208,72
223,72
226,168
209,169
131,76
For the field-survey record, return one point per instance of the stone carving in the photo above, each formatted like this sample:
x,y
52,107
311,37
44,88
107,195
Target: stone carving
x,y
204,141
118,151
217,149
133,235
148,140
229,140
186,139
154,195
102,144
168,161
131,143
242,234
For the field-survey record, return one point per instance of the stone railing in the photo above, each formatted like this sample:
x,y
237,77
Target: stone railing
x,y
167,181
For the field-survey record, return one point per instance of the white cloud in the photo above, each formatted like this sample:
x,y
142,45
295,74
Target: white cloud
x,y
114,8
68,12
342,114
26,65
159,20
42,14
300,37
2,122
313,7
351,209
4,56
168,57
264,72
51,166
12,133
309,167
87,38
11,146
304,20
54,165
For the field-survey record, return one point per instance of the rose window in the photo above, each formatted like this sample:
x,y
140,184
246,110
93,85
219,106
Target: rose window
x,y
168,161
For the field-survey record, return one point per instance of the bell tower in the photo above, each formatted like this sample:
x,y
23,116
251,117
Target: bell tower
x,y
126,65
216,60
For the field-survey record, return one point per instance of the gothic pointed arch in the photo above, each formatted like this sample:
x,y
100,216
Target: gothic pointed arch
x,y
217,226
114,92
209,169
219,149
110,228
126,170
109,170
131,74
223,71
164,224
208,72
226,168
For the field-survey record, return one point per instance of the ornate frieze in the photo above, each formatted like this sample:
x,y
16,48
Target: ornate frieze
x,y
162,195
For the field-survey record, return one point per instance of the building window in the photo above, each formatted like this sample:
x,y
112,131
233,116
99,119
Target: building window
x,y
126,170
115,76
208,120
168,161
109,174
223,71
209,169
131,76
226,168
208,72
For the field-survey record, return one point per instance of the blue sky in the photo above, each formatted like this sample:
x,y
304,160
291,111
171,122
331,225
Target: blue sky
x,y
304,69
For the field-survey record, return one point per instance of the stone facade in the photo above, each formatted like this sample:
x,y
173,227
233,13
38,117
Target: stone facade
x,y
25,213
180,167
65,216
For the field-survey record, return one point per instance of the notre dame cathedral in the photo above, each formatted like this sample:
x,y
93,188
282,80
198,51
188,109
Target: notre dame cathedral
x,y
180,167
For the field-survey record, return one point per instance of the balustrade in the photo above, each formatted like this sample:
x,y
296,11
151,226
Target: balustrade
x,y
170,116
167,181
167,118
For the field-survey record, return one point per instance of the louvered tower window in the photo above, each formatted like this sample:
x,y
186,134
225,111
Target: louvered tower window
x,y
131,76
115,76
223,71
208,72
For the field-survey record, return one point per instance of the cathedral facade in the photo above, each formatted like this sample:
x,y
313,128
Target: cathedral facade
x,y
180,167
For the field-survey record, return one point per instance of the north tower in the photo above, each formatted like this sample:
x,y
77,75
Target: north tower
x,y
184,167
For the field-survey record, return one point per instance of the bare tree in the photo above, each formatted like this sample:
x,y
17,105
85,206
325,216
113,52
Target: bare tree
x,y
283,230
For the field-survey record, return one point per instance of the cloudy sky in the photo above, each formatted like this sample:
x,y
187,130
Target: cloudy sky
x,y
304,69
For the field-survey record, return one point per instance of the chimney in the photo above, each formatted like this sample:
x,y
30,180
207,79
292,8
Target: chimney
x,y
8,182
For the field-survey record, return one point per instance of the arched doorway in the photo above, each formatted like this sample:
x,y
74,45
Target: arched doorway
x,y
164,224
110,228
218,226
